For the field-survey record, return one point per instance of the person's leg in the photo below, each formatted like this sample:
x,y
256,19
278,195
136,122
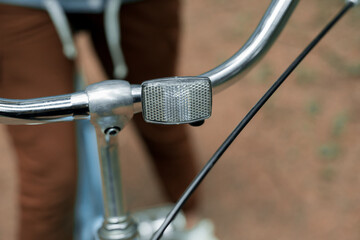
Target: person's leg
x,y
32,65
150,41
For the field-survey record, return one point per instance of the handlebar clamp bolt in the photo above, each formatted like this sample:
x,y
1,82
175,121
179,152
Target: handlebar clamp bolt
x,y
112,131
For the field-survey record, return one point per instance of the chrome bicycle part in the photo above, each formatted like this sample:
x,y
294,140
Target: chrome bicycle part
x,y
176,100
264,35
118,229
110,104
62,26
44,110
113,37
355,2
117,225
260,41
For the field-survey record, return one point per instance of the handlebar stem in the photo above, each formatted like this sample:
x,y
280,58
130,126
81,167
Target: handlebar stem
x,y
111,107
117,223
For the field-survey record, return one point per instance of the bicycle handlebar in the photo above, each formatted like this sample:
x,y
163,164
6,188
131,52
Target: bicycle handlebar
x,y
76,106
260,41
44,110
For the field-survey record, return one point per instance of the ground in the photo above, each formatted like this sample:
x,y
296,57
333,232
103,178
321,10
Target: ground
x,y
294,171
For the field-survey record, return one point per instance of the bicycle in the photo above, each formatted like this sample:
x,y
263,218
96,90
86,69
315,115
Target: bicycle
x,y
108,129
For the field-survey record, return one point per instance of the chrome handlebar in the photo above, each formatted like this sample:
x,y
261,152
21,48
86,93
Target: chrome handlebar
x,y
76,106
44,110
259,42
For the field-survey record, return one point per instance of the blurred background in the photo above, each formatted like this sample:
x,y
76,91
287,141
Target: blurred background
x,y
294,172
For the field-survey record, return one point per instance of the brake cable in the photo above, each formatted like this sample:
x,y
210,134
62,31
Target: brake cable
x,y
210,164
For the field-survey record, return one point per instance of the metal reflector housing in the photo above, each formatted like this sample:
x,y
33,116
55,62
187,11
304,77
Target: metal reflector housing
x,y
176,100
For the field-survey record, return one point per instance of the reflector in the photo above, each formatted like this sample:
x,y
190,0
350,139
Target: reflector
x,y
176,100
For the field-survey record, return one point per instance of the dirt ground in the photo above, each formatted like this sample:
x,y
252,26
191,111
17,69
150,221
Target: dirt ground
x,y
294,171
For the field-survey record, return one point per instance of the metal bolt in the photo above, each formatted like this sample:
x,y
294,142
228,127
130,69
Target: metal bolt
x,y
112,131
197,123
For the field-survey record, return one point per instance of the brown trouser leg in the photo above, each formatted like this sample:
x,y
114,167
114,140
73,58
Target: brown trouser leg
x,y
32,65
150,44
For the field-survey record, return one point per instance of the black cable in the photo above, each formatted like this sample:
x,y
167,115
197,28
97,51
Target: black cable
x,y
198,179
